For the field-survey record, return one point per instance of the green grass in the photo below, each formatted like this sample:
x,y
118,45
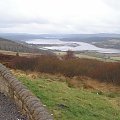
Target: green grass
x,y
116,58
71,103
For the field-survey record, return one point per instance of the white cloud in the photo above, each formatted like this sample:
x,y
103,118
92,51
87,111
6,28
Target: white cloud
x,y
59,16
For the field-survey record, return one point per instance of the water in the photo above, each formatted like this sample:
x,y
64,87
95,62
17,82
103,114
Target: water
x,y
57,44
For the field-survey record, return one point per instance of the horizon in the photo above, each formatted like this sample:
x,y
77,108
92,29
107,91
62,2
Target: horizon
x,y
21,33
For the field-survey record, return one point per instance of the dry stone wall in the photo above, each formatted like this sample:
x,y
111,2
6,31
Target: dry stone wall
x,y
26,101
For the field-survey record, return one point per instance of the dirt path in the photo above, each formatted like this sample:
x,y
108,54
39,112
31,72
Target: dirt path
x,y
8,110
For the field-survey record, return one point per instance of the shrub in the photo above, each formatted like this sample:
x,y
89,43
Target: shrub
x,y
103,71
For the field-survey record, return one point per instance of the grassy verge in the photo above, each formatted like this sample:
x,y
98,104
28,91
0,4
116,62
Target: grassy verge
x,y
71,103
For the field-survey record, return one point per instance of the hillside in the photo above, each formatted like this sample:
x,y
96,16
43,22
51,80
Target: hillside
x,y
10,45
68,94
68,103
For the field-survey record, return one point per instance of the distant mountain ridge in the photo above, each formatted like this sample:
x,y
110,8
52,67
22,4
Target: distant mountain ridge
x,y
23,36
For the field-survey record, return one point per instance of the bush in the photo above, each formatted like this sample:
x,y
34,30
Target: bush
x,y
103,71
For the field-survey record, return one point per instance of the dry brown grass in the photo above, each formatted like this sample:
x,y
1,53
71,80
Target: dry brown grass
x,y
20,53
76,82
92,84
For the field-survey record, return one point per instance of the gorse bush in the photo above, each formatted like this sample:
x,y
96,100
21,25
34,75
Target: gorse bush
x,y
103,71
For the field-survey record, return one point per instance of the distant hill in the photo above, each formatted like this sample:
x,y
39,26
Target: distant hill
x,y
104,40
78,37
10,45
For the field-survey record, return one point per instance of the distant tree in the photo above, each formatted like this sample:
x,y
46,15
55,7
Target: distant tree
x,y
69,54
17,54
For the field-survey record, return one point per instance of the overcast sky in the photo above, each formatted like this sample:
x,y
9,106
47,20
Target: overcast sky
x,y
60,16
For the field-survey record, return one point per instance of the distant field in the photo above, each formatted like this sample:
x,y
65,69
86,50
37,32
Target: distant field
x,y
80,55
116,58
94,55
14,53
66,103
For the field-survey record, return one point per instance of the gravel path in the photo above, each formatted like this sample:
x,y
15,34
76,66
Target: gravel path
x,y
8,110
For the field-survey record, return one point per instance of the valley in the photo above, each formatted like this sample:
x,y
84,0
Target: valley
x,y
70,88
60,59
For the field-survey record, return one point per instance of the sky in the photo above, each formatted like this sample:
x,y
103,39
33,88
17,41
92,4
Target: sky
x,y
60,16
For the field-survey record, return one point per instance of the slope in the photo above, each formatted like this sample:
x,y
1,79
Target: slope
x,y
10,45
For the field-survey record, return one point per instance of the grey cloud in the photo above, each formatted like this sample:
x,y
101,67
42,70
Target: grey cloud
x,y
14,22
24,20
13,19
